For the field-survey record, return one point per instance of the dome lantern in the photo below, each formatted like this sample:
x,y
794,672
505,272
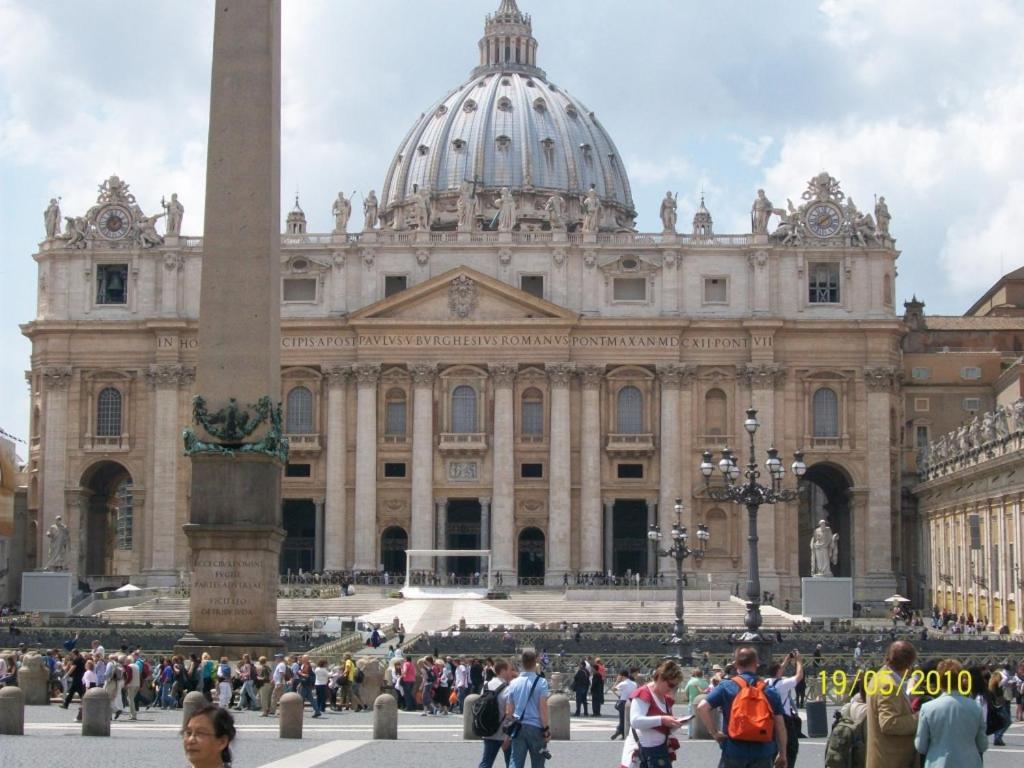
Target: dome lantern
x,y
295,223
702,222
508,43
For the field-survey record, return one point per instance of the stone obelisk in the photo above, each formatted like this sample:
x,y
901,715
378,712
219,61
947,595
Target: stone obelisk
x,y
234,528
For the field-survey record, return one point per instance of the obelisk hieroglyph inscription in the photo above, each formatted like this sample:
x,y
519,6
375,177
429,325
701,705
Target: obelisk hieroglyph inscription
x,y
236,446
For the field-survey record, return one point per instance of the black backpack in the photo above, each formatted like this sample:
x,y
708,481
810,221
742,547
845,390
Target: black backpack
x,y
487,716
360,677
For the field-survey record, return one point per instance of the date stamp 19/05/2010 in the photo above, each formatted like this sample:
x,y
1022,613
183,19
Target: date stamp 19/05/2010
x,y
883,682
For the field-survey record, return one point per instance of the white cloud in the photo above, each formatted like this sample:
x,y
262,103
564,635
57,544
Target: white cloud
x,y
752,151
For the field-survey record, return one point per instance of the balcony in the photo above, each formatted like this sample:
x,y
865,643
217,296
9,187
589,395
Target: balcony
x,y
111,444
462,443
631,444
304,443
395,439
714,442
825,443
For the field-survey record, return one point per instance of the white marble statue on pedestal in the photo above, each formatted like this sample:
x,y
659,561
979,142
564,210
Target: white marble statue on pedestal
x,y
51,217
57,552
370,205
342,211
669,215
824,550
175,212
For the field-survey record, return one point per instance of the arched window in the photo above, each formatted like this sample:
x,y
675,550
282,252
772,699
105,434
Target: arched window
x,y
630,411
108,413
715,416
394,413
464,409
533,413
300,412
124,515
826,413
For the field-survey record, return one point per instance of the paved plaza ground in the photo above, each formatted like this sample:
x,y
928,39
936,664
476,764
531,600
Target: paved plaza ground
x,y
53,740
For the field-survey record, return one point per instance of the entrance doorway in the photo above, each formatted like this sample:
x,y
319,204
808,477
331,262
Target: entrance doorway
x,y
109,518
393,543
298,552
827,498
463,532
629,537
531,556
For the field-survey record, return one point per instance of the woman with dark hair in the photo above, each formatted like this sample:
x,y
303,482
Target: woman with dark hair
x,y
207,737
597,689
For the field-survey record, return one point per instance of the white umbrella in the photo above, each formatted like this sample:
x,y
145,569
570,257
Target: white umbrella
x,y
897,599
128,588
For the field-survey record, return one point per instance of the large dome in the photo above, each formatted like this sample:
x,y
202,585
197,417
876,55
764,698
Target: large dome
x,y
508,127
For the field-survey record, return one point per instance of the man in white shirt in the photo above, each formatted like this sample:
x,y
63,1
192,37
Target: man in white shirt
x,y
278,681
623,688
462,682
504,673
785,686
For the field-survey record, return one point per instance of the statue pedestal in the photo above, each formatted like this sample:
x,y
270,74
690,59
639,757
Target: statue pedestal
x,y
47,592
827,597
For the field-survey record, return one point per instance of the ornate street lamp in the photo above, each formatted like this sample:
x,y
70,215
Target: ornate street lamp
x,y
752,495
679,551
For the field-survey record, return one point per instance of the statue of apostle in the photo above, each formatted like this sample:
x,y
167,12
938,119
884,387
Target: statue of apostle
x,y
555,206
57,551
370,205
591,211
668,212
506,205
51,218
760,212
175,212
466,207
824,550
342,210
882,217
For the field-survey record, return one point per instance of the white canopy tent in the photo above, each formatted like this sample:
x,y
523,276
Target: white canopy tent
x,y
411,553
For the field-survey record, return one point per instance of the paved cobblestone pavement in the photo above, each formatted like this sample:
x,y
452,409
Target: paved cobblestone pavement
x,y
53,740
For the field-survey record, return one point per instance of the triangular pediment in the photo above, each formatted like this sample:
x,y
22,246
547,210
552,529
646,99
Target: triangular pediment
x,y
462,295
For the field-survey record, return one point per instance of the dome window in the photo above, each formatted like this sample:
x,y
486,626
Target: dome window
x,y
503,143
540,105
506,81
441,111
548,146
458,145
469,106
587,151
530,84
505,104
571,112
423,149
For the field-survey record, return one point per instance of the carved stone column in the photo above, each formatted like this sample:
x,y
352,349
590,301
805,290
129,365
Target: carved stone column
x,y
503,471
559,473
762,379
485,531
441,535
336,504
591,283
609,535
367,375
318,537
671,466
761,280
56,380
591,546
422,532
163,523
882,384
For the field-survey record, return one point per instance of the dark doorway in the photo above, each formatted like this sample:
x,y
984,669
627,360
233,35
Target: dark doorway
x,y
393,543
827,498
629,537
463,533
298,552
531,556
109,522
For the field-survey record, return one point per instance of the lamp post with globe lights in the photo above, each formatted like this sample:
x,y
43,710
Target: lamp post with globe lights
x,y
680,551
752,494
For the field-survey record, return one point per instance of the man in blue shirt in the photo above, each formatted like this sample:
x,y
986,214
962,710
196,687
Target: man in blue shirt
x,y
528,704
744,754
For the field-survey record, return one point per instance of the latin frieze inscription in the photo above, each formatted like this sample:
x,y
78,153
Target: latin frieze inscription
x,y
228,588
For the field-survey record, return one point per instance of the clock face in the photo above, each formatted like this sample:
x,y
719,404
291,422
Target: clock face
x,y
113,222
824,220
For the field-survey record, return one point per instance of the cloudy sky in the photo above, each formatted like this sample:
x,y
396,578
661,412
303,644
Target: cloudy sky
x,y
922,102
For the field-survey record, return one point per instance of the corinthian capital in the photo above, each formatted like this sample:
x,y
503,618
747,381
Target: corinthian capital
x,y
761,375
676,375
560,374
503,374
367,374
591,376
170,374
884,378
57,376
337,374
423,374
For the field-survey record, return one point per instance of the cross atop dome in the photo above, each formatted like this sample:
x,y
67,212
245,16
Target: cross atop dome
x,y
508,43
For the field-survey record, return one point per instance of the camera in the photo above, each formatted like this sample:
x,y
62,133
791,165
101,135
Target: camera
x,y
546,754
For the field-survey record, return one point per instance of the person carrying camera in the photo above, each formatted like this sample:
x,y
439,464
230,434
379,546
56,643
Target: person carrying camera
x,y
784,686
527,712
650,742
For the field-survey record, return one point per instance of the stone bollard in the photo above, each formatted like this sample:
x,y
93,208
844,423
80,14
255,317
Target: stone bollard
x,y
193,701
557,682
289,712
467,717
12,711
558,717
385,718
697,731
34,680
96,713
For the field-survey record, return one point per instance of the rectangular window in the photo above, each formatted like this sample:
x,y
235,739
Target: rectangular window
x,y
922,404
394,284
921,374
921,437
716,290
629,289
970,373
972,404
531,471
395,419
298,470
532,284
394,469
533,418
299,289
823,283
112,284
630,471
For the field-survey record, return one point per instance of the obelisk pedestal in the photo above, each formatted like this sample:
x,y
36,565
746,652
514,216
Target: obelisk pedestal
x,y
235,444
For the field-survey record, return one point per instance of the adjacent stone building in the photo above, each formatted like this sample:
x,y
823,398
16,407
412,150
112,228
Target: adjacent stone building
x,y
497,359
